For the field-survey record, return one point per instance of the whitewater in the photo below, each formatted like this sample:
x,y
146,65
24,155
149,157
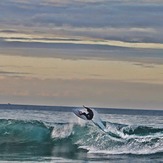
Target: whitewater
x,y
55,134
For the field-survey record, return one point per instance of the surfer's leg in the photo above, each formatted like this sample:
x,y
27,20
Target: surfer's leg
x,y
89,117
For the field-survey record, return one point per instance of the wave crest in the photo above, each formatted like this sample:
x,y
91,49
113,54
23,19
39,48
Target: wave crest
x,y
19,131
58,137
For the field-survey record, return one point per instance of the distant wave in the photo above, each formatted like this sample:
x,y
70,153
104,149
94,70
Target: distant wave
x,y
37,136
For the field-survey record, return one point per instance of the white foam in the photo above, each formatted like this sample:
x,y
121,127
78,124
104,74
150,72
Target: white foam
x,y
62,131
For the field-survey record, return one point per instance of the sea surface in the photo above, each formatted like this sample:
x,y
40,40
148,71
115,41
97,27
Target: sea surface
x,y
54,134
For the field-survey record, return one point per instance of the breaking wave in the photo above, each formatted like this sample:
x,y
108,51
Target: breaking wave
x,y
41,138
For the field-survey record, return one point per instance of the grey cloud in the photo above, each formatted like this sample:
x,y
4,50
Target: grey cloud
x,y
107,13
91,14
103,15
8,31
16,74
145,65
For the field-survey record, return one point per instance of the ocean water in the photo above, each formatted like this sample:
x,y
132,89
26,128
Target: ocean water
x,y
55,134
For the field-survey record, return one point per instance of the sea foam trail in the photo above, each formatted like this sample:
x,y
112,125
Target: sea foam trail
x,y
135,139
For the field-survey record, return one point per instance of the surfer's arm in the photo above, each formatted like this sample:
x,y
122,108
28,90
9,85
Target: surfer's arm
x,y
83,114
88,109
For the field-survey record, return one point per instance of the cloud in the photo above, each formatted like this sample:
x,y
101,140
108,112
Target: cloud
x,y
13,74
138,21
86,14
8,31
101,15
98,42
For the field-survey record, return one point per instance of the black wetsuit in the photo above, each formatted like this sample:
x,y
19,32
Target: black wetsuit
x,y
90,114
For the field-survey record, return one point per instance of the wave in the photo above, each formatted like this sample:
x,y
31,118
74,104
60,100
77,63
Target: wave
x,y
36,137
18,131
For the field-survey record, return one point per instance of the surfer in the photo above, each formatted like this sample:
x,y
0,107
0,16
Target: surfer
x,y
88,115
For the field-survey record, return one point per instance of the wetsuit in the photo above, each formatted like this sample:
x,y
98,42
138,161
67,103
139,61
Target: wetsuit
x,y
88,115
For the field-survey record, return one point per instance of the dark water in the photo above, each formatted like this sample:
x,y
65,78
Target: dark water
x,y
55,134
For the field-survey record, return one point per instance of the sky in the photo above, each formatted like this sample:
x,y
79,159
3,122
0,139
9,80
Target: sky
x,y
98,53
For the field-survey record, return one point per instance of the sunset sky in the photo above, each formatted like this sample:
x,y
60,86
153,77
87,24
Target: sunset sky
x,y
99,53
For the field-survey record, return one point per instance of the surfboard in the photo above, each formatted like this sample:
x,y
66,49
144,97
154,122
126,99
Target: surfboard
x,y
97,121
77,112
96,118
